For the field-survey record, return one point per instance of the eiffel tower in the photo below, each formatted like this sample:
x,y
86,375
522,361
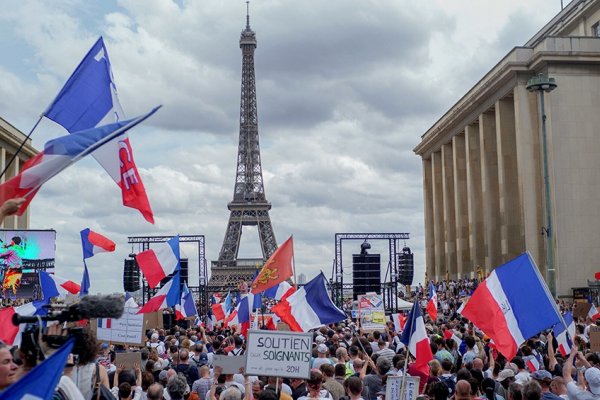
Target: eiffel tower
x,y
249,206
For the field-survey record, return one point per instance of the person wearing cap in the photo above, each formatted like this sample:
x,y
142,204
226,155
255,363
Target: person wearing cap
x,y
591,375
505,377
321,357
544,378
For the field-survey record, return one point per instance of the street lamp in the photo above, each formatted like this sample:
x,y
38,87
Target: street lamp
x,y
541,84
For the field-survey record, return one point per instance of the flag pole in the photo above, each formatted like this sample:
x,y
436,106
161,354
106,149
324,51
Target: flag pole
x,y
21,146
294,262
405,372
94,147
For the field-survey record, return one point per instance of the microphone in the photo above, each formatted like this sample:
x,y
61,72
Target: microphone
x,y
102,306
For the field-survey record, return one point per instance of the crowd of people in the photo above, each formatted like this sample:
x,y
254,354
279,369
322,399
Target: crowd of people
x,y
346,363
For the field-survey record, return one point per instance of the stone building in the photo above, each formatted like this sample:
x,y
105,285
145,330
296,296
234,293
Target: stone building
x,y
483,175
10,140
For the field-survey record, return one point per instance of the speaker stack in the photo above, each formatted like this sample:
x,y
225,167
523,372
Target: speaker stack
x,y
131,275
406,266
366,274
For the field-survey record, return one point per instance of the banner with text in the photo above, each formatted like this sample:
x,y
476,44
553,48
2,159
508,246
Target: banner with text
x,y
371,312
283,354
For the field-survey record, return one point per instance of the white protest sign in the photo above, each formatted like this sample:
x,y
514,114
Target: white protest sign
x,y
284,354
127,329
229,364
394,385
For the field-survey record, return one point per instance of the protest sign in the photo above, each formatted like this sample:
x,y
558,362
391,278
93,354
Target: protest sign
x,y
595,338
283,354
371,312
128,360
129,329
229,364
394,385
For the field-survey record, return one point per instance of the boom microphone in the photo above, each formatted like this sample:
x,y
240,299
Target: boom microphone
x,y
103,306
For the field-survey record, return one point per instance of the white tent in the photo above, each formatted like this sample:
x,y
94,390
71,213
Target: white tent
x,y
403,304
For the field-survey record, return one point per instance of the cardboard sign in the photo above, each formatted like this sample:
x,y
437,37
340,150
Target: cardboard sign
x,y
130,329
282,326
283,354
128,360
371,312
230,364
581,310
394,385
595,338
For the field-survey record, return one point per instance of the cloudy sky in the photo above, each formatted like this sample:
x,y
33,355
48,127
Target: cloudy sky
x,y
345,90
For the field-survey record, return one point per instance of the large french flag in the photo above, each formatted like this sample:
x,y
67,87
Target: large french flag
x,y
167,296
279,291
221,310
89,99
186,307
59,154
94,243
53,286
9,333
309,307
158,263
512,305
432,303
415,338
565,334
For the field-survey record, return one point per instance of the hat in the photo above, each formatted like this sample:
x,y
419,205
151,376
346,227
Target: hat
x,y
322,348
202,359
505,373
162,375
592,376
104,346
320,339
541,375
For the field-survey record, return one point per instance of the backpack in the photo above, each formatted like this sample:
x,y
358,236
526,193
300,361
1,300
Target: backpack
x,y
449,382
186,373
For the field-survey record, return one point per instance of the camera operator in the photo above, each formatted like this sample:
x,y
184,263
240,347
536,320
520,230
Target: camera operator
x,y
84,373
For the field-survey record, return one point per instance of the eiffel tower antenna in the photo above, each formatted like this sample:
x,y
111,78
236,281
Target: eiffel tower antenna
x,y
249,206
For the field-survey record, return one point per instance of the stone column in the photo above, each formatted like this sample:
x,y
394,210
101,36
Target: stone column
x,y
449,218
511,236
429,218
461,210
489,180
438,215
529,172
474,198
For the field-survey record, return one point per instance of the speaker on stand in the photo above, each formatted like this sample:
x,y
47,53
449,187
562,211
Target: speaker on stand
x,y
131,275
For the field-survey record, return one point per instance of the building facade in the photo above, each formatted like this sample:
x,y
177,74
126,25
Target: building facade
x,y
10,140
483,176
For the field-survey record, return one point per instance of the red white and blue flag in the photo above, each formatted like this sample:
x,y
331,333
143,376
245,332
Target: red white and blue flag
x,y
309,307
399,321
432,303
415,338
53,286
105,323
59,154
241,315
512,305
279,291
167,296
564,334
158,263
532,364
94,243
593,313
221,310
9,333
89,99
186,307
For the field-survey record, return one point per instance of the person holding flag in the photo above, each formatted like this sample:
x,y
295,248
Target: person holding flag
x,y
432,303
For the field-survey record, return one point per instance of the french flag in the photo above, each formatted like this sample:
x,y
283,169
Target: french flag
x,y
89,99
415,338
167,296
186,307
432,303
59,154
160,262
280,291
53,286
593,314
105,323
309,307
399,321
512,305
532,364
241,315
9,333
221,310
94,243
449,334
562,334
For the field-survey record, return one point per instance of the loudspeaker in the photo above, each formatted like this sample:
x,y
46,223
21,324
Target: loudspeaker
x,y
406,266
131,276
366,274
